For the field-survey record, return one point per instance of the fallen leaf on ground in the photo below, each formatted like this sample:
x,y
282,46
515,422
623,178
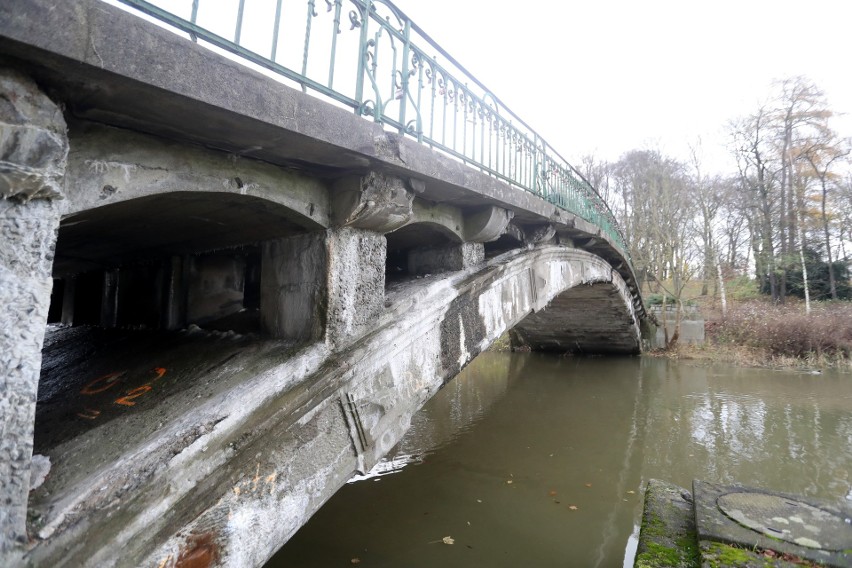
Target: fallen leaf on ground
x,y
449,540
572,507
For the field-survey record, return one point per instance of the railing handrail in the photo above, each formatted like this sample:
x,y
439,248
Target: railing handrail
x,y
517,154
497,99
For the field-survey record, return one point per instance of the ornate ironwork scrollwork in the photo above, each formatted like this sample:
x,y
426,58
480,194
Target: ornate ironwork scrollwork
x,y
354,20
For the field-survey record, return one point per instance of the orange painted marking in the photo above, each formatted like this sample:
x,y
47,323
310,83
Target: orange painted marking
x,y
108,381
159,371
89,414
127,400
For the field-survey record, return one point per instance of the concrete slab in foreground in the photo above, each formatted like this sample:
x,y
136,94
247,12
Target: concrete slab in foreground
x,y
721,526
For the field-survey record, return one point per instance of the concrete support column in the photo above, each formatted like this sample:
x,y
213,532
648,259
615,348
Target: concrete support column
x,y
293,287
445,258
69,296
109,299
33,151
173,314
356,282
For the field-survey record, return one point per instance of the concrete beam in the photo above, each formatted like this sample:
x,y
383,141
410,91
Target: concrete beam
x,y
108,165
33,150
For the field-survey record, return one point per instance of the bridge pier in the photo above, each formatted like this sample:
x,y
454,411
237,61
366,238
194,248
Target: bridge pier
x,y
356,282
33,149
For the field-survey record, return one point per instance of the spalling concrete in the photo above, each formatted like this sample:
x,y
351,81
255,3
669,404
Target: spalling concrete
x,y
33,150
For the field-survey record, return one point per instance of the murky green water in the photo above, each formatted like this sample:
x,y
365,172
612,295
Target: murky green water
x,y
532,460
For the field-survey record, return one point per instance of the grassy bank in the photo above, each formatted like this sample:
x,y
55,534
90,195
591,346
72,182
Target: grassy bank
x,y
758,333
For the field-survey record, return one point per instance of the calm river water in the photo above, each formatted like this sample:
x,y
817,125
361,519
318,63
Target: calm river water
x,y
533,460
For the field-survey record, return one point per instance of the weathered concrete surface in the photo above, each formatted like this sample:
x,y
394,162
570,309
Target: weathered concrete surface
x,y
702,529
356,282
759,520
375,202
445,258
229,462
293,291
667,537
33,150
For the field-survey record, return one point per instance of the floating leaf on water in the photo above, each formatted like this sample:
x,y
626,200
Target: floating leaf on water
x,y
448,540
573,507
552,493
509,482
632,492
588,485
355,561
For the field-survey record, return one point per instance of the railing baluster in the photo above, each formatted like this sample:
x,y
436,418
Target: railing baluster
x,y
193,18
311,14
239,29
406,51
334,33
275,30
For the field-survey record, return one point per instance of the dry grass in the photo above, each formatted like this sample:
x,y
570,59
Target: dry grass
x,y
757,333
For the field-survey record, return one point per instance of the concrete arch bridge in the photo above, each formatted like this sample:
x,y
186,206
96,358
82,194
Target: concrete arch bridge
x,y
221,297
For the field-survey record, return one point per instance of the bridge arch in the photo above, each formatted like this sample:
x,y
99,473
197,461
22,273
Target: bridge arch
x,y
534,288
408,246
169,259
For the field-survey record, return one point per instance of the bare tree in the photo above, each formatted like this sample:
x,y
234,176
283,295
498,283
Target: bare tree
x,y
821,155
658,207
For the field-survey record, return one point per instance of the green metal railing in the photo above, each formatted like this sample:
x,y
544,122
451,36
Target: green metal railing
x,y
369,56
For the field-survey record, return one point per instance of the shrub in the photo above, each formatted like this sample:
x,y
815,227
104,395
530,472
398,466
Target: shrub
x,y
787,330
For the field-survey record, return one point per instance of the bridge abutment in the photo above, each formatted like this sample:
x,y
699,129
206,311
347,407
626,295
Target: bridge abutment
x,y
33,150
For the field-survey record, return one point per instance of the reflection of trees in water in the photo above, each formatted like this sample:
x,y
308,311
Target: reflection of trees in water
x,y
778,430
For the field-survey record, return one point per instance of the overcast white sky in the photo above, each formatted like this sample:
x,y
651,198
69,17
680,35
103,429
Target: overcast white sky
x,y
607,76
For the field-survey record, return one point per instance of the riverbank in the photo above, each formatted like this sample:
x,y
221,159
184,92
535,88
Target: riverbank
x,y
760,334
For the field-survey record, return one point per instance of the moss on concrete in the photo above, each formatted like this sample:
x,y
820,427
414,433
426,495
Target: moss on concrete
x,y
667,537
720,555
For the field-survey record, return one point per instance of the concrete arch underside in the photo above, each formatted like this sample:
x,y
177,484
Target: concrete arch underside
x,y
279,429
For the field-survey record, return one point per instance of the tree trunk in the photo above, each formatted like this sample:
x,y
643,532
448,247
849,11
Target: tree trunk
x,y
721,280
831,283
804,271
